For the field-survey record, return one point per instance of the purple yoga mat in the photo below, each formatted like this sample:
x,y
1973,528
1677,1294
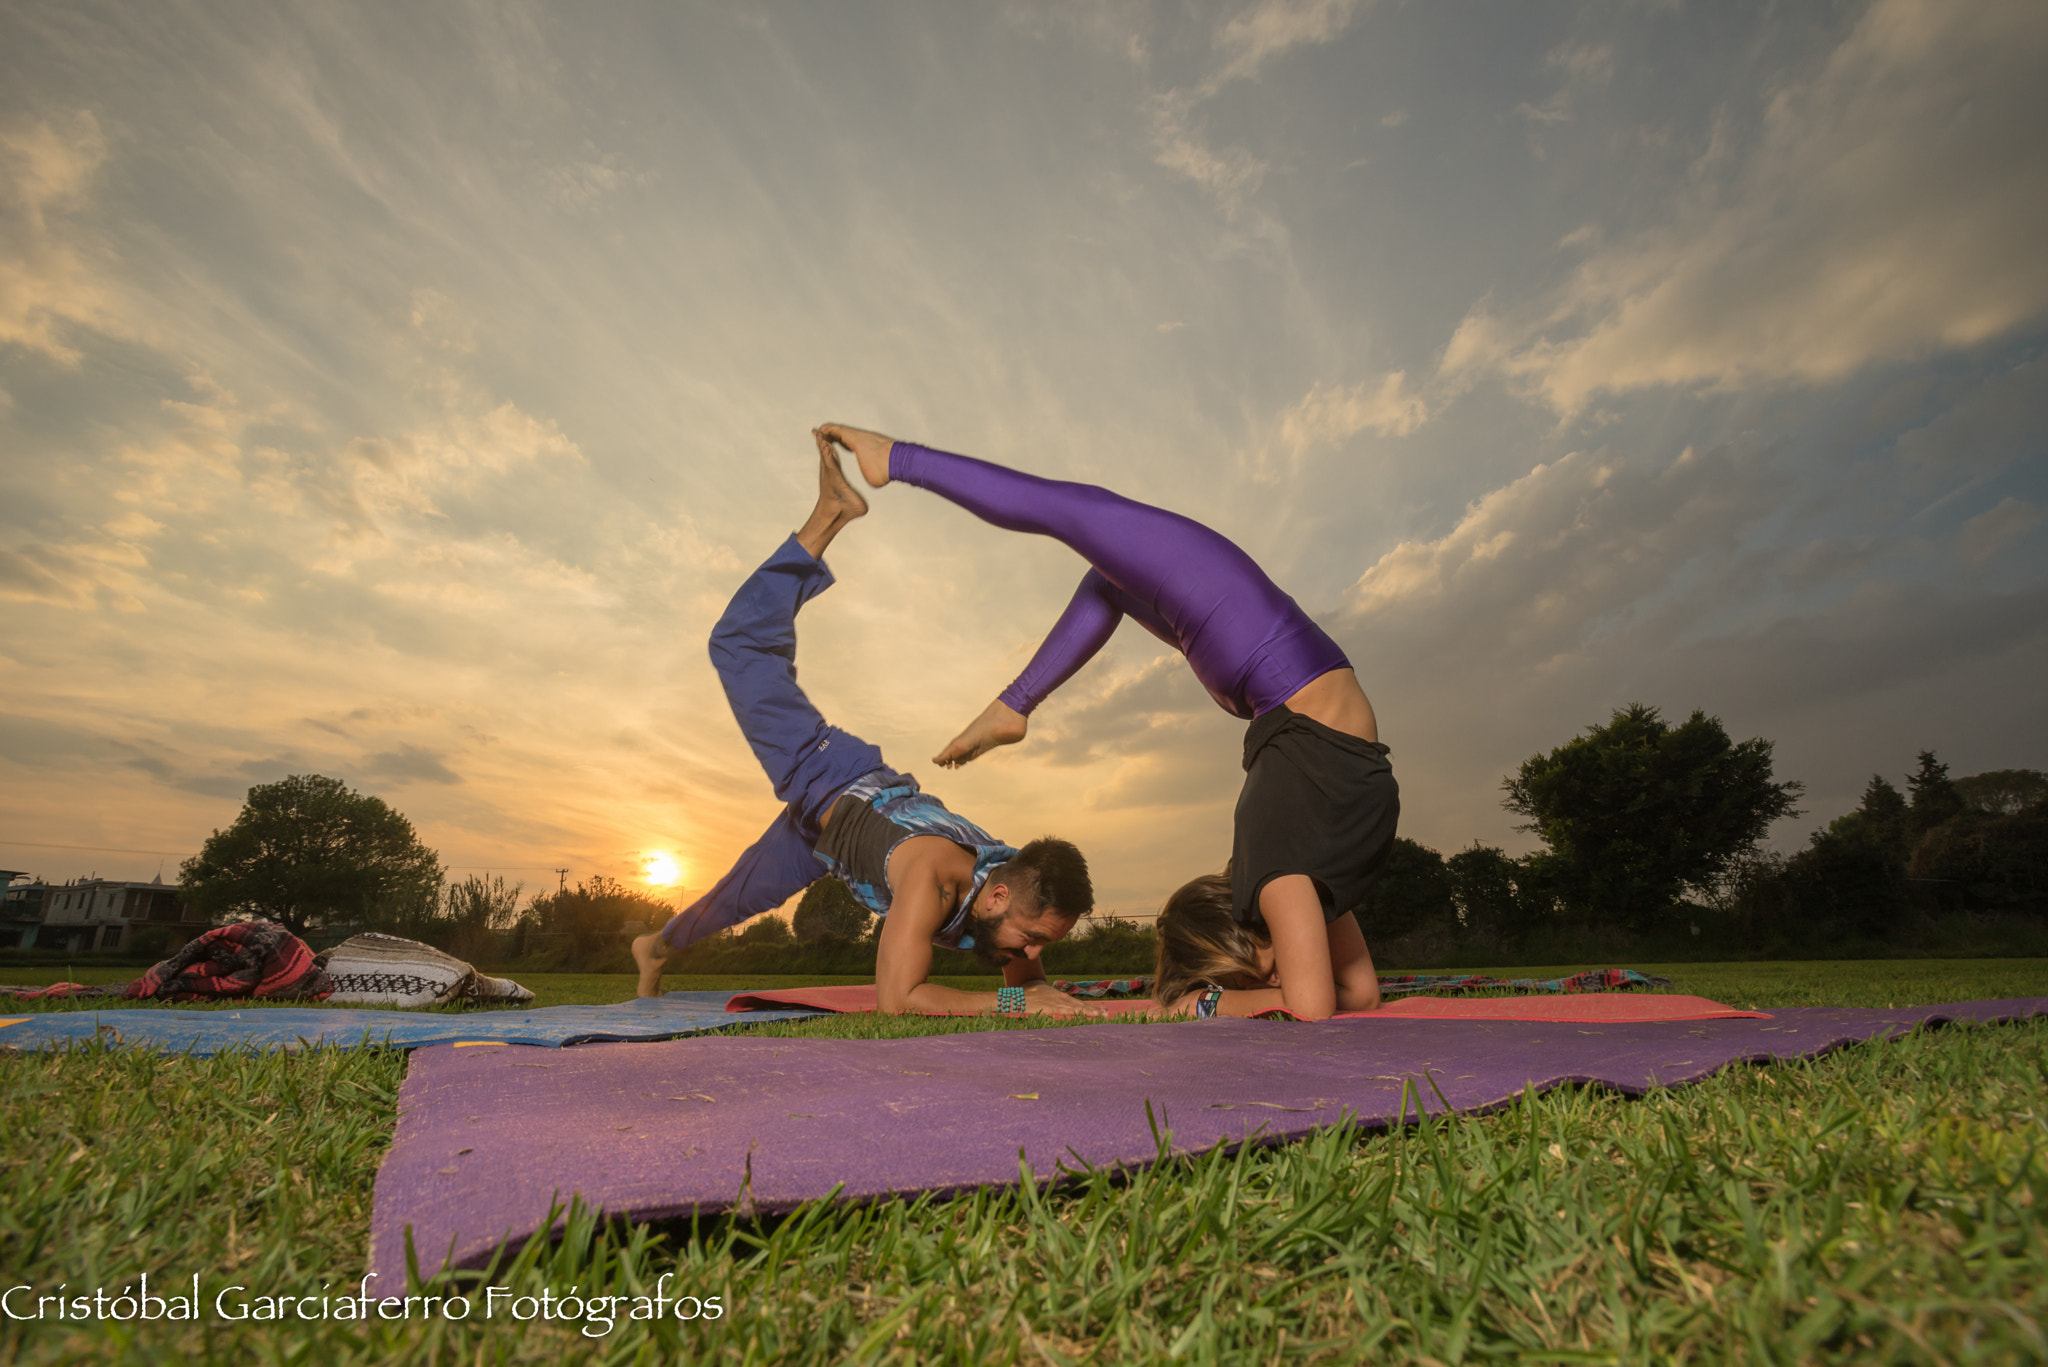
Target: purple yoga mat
x,y
488,1138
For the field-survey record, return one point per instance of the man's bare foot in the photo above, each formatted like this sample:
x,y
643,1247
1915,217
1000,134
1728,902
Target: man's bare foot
x,y
651,965
838,502
870,449
998,724
833,485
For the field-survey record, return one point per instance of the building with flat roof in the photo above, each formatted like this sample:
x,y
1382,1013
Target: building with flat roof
x,y
21,910
103,913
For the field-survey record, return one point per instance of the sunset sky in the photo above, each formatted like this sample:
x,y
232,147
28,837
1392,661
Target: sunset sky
x,y
398,392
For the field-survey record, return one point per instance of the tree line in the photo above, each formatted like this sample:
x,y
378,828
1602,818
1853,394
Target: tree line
x,y
1651,834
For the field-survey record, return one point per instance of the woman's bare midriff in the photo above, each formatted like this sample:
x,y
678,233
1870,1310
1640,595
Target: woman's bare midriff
x,y
1336,700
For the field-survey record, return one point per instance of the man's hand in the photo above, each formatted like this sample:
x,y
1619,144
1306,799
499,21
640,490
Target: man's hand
x,y
998,724
870,449
1043,997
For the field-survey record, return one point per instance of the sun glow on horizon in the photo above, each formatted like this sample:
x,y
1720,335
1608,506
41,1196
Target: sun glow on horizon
x,y
662,870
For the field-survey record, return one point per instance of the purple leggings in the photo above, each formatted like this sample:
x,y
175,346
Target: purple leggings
x,y
1251,646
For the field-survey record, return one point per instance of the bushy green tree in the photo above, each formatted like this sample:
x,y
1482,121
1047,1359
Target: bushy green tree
x,y
767,930
1636,811
1983,862
2003,792
1413,886
597,910
828,911
1498,899
308,850
1103,946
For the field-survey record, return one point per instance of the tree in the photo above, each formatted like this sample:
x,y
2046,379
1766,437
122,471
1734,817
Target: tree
x,y
1496,897
1412,887
766,930
1880,822
596,911
829,912
1934,797
2002,792
1638,810
307,850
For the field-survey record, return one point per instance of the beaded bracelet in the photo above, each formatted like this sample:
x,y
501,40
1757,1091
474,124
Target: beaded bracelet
x,y
1209,1003
1009,1001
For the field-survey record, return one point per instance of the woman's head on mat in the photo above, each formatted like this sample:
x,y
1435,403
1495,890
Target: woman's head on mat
x,y
1035,898
1201,943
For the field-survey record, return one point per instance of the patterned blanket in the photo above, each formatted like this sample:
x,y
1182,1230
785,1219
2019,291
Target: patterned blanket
x,y
1596,980
1407,984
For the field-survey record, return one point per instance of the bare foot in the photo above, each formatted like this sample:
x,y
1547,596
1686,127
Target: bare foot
x,y
998,724
839,503
834,486
651,965
871,449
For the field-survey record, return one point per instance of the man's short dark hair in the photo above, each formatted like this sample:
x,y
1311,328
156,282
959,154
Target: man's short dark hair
x,y
1052,873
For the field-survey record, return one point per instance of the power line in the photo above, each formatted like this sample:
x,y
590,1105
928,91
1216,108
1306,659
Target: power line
x,y
185,854
92,849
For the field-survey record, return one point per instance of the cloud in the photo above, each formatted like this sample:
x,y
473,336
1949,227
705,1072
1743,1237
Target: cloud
x,y
1586,66
1246,42
1995,424
1229,175
1329,416
410,764
1989,533
45,283
1888,207
1537,568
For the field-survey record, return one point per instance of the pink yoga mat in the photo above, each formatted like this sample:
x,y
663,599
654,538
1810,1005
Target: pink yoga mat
x,y
1600,1006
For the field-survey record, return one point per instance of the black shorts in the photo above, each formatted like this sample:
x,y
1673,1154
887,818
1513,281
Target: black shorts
x,y
1315,801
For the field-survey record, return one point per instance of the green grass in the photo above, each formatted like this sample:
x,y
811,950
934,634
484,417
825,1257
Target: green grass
x,y
1873,982
1880,1204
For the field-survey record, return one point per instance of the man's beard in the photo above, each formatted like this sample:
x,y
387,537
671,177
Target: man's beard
x,y
983,929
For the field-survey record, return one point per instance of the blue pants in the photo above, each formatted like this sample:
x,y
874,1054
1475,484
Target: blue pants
x,y
753,648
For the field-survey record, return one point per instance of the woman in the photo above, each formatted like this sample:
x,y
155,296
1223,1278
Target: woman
x,y
1319,806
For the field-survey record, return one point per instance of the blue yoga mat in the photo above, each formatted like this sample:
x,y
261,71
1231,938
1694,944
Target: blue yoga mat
x,y
173,1031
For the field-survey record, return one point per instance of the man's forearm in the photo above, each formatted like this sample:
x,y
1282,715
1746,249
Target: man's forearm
x,y
934,999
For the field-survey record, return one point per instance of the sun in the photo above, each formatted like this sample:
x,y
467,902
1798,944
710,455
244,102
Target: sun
x,y
661,870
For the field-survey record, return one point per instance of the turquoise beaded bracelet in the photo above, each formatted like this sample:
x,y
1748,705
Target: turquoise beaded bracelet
x,y
1009,1001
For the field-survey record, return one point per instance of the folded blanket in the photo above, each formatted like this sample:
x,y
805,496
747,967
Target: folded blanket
x,y
393,972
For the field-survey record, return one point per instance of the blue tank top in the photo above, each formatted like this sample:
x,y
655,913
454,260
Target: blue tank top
x,y
896,799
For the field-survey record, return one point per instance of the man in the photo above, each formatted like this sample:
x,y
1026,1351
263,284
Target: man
x,y
933,877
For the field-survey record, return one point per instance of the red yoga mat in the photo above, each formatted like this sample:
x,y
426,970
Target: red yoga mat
x,y
1604,1007
855,997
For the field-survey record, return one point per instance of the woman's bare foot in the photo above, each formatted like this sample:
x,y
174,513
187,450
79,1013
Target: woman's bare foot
x,y
651,965
998,724
870,449
838,502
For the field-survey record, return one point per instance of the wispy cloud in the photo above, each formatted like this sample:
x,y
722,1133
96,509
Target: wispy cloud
x,y
1876,215
46,282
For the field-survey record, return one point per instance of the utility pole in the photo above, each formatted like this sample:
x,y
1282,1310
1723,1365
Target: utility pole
x,y
561,880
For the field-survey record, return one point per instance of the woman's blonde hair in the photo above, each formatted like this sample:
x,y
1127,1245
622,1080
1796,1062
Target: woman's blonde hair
x,y
1201,942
